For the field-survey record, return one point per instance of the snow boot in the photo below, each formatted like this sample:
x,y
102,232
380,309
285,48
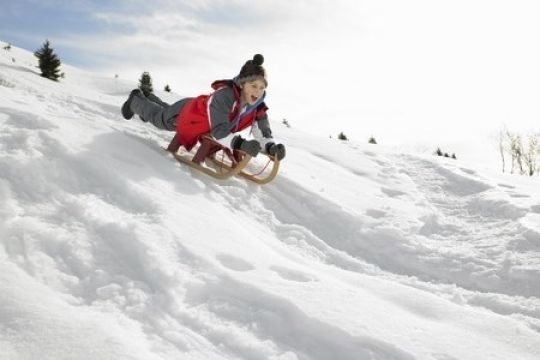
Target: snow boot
x,y
127,113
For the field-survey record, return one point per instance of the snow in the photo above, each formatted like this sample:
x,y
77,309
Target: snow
x,y
111,249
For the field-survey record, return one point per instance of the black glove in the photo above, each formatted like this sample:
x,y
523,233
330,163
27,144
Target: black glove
x,y
252,147
277,150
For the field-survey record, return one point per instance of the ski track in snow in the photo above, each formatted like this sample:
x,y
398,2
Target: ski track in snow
x,y
481,229
96,216
467,240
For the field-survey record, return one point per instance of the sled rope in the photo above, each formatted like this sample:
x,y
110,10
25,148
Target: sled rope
x,y
264,168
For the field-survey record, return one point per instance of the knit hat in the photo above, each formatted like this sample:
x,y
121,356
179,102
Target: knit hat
x,y
252,70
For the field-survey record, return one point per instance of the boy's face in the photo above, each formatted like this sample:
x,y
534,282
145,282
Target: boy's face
x,y
252,91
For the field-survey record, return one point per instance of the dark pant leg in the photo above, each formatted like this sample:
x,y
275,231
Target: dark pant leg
x,y
152,97
162,116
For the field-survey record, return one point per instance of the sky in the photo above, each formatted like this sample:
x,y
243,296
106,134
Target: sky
x,y
406,72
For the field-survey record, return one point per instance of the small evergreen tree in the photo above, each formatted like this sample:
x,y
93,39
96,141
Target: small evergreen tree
x,y
454,156
167,88
446,155
49,64
372,140
145,84
439,152
342,136
7,47
286,123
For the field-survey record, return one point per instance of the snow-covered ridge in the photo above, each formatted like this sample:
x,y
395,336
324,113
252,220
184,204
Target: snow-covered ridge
x,y
110,249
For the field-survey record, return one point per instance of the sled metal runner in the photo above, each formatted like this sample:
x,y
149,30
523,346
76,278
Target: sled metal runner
x,y
221,162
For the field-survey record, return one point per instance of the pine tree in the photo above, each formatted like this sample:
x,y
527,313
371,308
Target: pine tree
x,y
145,84
49,64
7,47
439,152
454,156
286,123
342,136
372,140
167,88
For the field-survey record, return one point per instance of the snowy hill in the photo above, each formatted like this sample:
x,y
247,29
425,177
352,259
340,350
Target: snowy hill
x,y
112,250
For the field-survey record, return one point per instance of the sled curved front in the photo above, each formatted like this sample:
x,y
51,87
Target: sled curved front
x,y
256,178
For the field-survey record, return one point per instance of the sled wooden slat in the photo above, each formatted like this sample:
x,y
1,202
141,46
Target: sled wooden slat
x,y
222,175
206,153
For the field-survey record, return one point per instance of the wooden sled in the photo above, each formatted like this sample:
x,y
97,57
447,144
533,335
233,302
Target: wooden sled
x,y
222,163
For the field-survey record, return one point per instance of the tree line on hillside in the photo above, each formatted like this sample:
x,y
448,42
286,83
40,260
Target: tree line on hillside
x,y
372,140
439,152
49,64
343,137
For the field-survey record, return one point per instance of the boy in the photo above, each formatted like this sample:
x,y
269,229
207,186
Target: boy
x,y
234,106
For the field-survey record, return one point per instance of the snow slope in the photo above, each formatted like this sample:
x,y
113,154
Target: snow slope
x,y
112,250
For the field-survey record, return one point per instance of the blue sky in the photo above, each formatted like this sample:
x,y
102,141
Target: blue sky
x,y
406,72
27,23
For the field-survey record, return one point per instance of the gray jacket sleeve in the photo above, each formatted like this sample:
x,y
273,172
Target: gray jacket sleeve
x,y
264,126
219,108
261,131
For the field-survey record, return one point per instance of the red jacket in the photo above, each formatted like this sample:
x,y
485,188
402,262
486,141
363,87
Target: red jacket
x,y
193,120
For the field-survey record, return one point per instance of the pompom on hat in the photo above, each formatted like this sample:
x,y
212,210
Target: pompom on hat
x,y
252,70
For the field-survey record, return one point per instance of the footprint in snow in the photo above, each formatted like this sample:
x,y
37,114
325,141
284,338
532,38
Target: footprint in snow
x,y
374,213
468,171
359,173
507,186
392,192
443,357
234,263
514,195
292,275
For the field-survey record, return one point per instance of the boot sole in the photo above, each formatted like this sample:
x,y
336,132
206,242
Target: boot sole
x,y
126,113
